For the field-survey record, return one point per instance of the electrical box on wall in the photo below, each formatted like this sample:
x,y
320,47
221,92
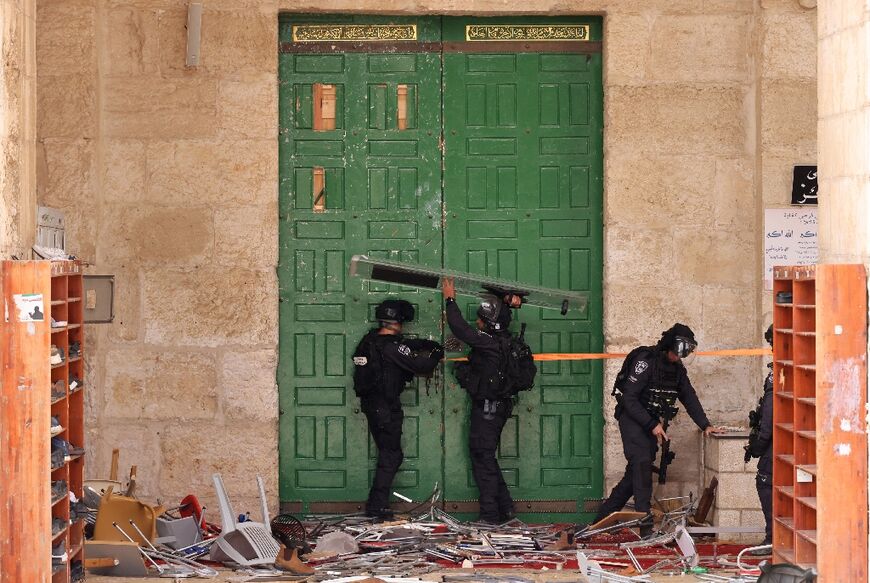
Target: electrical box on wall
x,y
99,299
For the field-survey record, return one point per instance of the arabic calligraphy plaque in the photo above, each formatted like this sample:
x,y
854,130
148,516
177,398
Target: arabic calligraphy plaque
x,y
805,185
353,32
529,32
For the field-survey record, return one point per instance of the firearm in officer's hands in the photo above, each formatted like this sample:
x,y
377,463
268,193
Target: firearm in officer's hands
x,y
667,455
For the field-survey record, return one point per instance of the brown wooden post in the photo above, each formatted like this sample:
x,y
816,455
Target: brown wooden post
x,y
25,501
841,399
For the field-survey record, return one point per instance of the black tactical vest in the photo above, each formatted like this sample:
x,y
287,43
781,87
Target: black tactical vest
x,y
659,398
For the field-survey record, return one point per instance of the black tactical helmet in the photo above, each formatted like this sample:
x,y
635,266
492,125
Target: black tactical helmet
x,y
394,311
679,339
769,335
494,314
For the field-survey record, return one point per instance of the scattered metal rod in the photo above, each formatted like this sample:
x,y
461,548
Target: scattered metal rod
x,y
141,550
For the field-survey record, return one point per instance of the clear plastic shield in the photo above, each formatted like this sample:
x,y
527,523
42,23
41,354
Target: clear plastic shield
x,y
418,276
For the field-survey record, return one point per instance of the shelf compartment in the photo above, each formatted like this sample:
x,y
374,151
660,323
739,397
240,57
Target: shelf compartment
x,y
809,401
811,469
785,556
61,533
787,458
786,490
785,521
785,426
808,501
807,434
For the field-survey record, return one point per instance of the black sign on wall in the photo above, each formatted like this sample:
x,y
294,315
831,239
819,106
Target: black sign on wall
x,y
805,185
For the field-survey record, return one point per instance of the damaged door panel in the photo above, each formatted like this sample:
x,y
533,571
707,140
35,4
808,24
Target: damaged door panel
x,y
352,182
523,201
375,115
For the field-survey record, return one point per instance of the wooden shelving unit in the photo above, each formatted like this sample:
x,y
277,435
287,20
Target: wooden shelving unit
x,y
67,305
819,436
34,294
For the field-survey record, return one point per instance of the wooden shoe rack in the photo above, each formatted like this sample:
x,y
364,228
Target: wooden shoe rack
x,y
819,436
26,408
67,305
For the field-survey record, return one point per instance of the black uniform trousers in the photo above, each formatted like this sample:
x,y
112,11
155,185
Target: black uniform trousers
x,y
385,426
484,435
639,447
764,487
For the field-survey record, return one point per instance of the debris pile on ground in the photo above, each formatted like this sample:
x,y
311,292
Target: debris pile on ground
x,y
149,541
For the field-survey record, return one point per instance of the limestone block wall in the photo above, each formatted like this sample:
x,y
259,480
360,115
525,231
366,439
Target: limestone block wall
x,y
788,109
169,180
736,503
169,177
844,131
17,127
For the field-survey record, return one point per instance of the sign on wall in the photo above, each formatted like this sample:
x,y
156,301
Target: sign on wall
x,y
805,185
790,238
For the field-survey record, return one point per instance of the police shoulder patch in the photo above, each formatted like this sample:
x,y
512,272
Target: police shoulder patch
x,y
404,350
360,360
640,366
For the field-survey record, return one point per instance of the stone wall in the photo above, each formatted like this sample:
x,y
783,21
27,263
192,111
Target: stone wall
x,y
169,180
844,131
17,127
169,177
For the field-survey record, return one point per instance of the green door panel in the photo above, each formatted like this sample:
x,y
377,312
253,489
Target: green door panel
x,y
382,195
523,200
498,171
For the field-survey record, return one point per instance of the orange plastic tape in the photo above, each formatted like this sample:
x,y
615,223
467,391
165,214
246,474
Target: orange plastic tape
x,y
549,356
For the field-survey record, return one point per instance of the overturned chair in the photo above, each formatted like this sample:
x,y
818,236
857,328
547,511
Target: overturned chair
x,y
248,544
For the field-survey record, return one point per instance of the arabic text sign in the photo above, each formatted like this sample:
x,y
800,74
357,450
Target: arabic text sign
x,y
805,185
790,238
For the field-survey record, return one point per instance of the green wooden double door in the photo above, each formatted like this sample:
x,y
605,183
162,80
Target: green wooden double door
x,y
471,144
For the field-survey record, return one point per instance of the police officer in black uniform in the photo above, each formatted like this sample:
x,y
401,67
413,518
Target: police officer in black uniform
x,y
482,380
761,446
652,379
384,362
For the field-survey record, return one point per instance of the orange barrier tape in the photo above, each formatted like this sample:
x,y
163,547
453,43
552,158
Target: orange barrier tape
x,y
550,356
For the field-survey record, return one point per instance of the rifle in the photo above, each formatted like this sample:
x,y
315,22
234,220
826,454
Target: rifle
x,y
667,455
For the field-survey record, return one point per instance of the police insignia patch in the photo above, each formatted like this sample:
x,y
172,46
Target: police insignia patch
x,y
404,350
360,360
640,366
